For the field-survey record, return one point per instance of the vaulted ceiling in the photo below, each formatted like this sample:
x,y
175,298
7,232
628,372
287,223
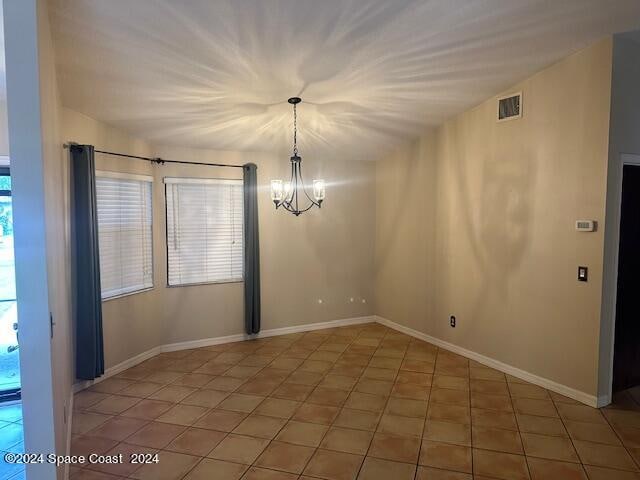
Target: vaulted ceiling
x,y
372,73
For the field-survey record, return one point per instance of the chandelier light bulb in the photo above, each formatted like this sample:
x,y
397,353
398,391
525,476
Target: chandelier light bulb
x,y
277,191
318,190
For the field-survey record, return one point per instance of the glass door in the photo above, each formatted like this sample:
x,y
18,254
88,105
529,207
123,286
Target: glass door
x,y
9,360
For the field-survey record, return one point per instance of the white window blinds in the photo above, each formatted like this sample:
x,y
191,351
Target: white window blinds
x,y
124,232
204,230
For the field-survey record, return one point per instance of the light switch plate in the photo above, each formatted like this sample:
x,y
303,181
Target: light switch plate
x,y
583,274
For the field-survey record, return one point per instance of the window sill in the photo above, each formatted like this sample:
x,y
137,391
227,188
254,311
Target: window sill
x,y
221,282
128,294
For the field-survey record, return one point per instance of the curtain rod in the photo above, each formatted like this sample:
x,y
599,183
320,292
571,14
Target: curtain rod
x,y
158,160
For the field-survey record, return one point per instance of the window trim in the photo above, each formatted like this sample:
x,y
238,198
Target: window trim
x,y
202,181
195,180
139,178
199,284
124,176
128,294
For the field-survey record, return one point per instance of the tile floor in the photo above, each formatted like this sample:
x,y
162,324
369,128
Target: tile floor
x,y
11,439
361,402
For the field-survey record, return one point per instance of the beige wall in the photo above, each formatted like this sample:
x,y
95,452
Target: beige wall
x,y
476,219
624,137
326,254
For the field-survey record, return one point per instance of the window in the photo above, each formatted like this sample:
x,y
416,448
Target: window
x,y
124,233
204,230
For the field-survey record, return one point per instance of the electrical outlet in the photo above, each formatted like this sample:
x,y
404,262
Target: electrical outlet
x,y
452,321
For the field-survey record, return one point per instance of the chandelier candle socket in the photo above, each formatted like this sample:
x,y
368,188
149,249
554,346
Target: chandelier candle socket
x,y
290,194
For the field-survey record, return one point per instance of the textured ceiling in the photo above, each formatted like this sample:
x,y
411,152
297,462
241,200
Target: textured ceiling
x,y
372,73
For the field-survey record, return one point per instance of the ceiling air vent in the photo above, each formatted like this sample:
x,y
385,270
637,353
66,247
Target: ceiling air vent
x,y
510,107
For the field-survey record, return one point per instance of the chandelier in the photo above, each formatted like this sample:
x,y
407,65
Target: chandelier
x,y
291,195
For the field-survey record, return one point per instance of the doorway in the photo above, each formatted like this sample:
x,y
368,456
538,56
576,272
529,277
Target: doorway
x,y
9,355
626,357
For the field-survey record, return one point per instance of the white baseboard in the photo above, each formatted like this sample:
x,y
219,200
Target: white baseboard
x,y
172,347
582,397
122,366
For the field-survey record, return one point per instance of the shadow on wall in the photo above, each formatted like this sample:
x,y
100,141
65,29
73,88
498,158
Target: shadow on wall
x,y
505,213
497,222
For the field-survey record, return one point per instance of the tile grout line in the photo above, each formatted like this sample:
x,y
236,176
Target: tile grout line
x,y
364,458
555,407
292,415
515,416
633,459
289,419
352,390
340,408
426,414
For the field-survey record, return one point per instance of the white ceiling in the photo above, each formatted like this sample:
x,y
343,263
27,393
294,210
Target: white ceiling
x,y
372,73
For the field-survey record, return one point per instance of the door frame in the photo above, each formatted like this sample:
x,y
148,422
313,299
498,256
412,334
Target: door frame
x,y
625,159
23,22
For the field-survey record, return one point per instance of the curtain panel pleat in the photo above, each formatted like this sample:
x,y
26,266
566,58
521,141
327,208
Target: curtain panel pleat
x,y
251,250
87,300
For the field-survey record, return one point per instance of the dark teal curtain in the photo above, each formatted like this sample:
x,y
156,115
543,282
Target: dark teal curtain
x,y
251,251
87,297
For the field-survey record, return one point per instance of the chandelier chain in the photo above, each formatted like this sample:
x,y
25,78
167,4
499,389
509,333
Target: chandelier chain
x,y
295,131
